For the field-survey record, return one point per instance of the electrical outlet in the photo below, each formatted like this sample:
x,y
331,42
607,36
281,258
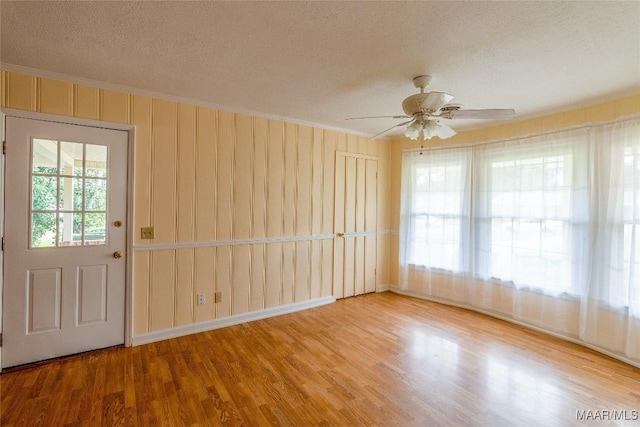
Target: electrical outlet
x,y
201,299
147,233
218,296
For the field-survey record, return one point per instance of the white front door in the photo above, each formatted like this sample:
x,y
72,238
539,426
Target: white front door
x,y
65,240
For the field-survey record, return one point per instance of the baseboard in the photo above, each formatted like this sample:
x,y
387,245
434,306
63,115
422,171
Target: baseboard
x,y
208,325
569,338
383,288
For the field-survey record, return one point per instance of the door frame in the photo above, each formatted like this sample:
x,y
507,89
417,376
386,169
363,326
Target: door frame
x,y
130,129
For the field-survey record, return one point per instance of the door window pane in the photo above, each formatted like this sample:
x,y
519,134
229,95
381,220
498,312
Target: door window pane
x,y
44,192
70,229
96,161
94,228
69,202
71,158
43,230
45,157
95,194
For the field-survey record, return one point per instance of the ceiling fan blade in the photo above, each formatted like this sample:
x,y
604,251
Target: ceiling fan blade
x,y
504,114
436,100
444,131
378,117
392,127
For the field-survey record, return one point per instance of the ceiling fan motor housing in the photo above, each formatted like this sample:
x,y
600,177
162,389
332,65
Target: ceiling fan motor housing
x,y
413,104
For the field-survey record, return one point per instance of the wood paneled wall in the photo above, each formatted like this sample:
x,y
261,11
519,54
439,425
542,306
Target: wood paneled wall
x,y
210,182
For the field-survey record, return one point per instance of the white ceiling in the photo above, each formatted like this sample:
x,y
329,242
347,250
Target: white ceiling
x,y
320,62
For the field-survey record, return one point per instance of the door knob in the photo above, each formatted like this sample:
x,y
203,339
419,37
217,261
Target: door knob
x,y
340,234
117,254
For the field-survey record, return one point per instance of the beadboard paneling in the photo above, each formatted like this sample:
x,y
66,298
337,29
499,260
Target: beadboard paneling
x,y
161,290
243,178
275,179
224,178
290,182
141,269
114,106
86,102
141,118
205,166
21,91
55,97
186,173
223,280
260,181
204,280
183,287
163,157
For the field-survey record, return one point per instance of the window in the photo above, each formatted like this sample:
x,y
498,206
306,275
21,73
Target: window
x,y
528,200
522,219
438,210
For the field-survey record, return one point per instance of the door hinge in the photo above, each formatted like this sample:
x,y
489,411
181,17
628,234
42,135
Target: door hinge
x,y
4,147
3,243
0,340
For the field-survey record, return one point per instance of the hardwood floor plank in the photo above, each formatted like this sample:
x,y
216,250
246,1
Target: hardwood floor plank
x,y
377,360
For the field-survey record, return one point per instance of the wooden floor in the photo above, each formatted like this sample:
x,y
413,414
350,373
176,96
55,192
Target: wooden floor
x,y
379,359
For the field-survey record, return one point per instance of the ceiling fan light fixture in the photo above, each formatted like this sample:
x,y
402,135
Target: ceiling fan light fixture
x,y
413,130
430,129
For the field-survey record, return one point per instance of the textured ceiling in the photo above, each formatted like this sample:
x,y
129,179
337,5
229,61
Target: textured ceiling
x,y
320,62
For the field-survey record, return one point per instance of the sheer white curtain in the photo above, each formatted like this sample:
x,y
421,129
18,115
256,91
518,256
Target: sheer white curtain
x,y
610,304
544,230
531,212
435,225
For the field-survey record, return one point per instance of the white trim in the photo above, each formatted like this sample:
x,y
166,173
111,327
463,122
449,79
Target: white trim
x,y
24,114
128,309
232,242
208,325
128,293
360,234
167,97
396,290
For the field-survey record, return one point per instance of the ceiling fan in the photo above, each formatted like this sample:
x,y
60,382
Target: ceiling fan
x,y
425,110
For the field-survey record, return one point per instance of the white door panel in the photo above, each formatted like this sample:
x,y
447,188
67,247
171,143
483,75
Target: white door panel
x,y
44,290
65,191
92,294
